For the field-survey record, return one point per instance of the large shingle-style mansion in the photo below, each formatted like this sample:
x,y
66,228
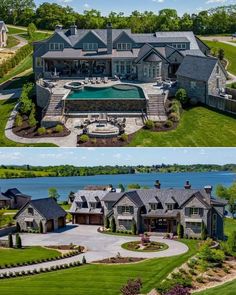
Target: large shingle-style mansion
x,y
3,34
110,53
153,210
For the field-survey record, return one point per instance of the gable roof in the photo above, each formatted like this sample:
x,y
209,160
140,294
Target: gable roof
x,y
148,49
3,197
47,207
197,67
14,192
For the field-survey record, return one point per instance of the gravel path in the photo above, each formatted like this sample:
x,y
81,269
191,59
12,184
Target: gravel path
x,y
99,246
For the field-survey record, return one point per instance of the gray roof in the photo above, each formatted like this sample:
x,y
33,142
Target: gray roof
x,y
178,36
47,207
197,67
153,57
89,195
4,198
112,197
14,192
196,52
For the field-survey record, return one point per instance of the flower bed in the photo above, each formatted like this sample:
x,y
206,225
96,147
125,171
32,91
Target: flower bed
x,y
145,247
114,260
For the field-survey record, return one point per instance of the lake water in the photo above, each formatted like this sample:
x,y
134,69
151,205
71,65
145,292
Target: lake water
x,y
38,187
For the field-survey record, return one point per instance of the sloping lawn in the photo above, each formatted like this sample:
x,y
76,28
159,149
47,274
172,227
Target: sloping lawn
x,y
226,289
15,30
230,226
199,126
230,53
6,107
37,36
12,41
9,256
96,279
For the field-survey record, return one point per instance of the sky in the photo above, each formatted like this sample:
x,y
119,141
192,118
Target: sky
x,y
127,6
116,156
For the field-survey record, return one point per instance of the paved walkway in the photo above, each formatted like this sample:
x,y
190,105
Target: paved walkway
x,y
22,43
99,246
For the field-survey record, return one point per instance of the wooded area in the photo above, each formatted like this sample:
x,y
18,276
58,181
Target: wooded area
x,y
219,20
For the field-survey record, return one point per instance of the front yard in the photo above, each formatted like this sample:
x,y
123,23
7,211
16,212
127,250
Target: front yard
x,y
12,256
97,279
199,126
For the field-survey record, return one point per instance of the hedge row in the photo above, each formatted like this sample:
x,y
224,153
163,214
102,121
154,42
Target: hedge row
x,y
67,255
35,271
12,62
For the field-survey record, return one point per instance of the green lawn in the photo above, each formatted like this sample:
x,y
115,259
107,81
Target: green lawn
x,y
9,256
226,289
12,41
5,221
26,64
199,126
15,30
230,226
37,36
96,279
6,107
230,54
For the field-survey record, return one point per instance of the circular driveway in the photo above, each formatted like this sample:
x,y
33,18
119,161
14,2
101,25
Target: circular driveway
x,y
99,246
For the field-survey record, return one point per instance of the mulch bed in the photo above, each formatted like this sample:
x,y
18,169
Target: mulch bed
x,y
66,247
106,142
31,132
114,260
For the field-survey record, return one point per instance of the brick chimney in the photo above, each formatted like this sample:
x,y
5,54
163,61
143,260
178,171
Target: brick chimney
x,y
73,30
109,38
58,28
208,189
187,185
157,184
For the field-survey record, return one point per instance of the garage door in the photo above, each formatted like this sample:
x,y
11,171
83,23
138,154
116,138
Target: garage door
x,y
95,219
61,222
81,219
50,225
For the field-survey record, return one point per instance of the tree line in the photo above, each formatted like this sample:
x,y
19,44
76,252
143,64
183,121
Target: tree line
x,y
25,171
218,20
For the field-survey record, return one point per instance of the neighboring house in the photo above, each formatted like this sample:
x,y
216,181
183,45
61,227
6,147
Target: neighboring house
x,y
16,198
4,201
41,211
3,34
87,207
201,76
108,52
160,210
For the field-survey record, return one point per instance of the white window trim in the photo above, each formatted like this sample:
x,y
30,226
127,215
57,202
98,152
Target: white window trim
x,y
194,211
56,46
90,46
170,207
124,46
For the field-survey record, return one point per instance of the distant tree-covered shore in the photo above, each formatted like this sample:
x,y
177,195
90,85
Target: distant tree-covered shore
x,y
27,171
218,20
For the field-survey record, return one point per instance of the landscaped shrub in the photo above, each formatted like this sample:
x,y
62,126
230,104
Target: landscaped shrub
x,y
18,121
107,222
10,241
180,230
84,138
134,228
233,85
41,130
84,260
124,137
133,287
40,227
113,225
59,128
32,121
25,100
168,124
18,241
203,231
232,242
149,124
181,96
174,117
179,290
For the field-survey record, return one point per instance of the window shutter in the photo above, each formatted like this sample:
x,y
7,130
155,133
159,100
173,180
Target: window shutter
x,y
119,210
187,211
131,209
201,211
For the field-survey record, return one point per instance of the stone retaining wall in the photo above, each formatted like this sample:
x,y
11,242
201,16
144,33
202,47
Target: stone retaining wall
x,y
43,95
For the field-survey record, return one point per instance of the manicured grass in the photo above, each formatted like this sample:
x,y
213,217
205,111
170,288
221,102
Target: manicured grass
x,y
226,289
199,126
23,66
5,221
37,36
230,53
12,41
97,279
6,107
15,30
10,256
229,226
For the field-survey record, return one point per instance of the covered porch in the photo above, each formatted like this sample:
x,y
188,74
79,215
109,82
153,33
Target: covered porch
x,y
160,224
78,67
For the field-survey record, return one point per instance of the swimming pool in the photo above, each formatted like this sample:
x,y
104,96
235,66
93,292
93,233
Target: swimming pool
x,y
120,91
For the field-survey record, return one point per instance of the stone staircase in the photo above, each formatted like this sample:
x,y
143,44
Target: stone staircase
x,y
55,106
156,107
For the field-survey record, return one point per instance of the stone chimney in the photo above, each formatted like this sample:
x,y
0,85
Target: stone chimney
x,y
58,28
73,30
157,184
187,185
109,38
208,190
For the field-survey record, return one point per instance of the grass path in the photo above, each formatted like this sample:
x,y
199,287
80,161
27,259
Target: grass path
x,y
97,279
199,126
9,256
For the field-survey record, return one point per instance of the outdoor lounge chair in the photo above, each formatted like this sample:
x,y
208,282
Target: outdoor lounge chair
x,y
93,81
99,80
105,80
86,80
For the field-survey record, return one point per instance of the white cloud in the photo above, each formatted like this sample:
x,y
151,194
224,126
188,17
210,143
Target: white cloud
x,y
158,1
86,5
215,1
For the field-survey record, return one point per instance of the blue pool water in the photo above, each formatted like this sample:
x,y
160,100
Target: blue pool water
x,y
104,93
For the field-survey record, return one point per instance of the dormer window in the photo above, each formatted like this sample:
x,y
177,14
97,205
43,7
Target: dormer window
x,y
56,46
170,207
154,206
124,46
93,205
90,46
30,211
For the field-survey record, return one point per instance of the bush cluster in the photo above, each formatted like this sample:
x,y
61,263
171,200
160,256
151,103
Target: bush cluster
x,y
12,62
175,111
149,124
84,138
